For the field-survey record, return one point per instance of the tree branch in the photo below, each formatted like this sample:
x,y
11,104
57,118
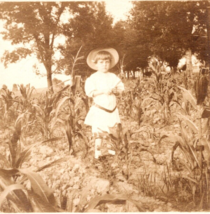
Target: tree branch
x,y
56,25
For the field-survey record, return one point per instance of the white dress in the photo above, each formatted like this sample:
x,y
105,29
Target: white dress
x,y
96,117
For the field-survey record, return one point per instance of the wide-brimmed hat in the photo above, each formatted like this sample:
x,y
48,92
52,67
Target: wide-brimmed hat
x,y
91,56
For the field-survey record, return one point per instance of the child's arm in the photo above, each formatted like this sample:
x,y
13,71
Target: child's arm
x,y
119,87
99,92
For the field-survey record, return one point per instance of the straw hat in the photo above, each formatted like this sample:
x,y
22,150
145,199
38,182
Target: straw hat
x,y
93,53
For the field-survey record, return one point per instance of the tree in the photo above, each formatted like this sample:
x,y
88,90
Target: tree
x,y
91,29
38,24
165,28
33,23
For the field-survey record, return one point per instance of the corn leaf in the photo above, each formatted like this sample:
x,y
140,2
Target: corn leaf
x,y
39,187
188,96
53,163
19,118
116,199
195,156
187,147
16,207
105,199
39,110
55,120
29,92
62,101
178,144
189,122
70,198
206,151
6,179
27,151
144,101
7,174
23,156
94,211
69,133
144,128
190,179
162,137
58,96
17,195
5,161
8,190
38,205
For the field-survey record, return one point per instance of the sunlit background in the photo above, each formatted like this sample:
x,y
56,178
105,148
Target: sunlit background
x,y
22,72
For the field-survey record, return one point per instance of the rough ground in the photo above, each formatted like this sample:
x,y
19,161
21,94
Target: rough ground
x,y
77,180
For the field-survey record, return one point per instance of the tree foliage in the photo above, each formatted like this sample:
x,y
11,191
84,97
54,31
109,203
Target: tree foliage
x,y
166,29
36,25
92,28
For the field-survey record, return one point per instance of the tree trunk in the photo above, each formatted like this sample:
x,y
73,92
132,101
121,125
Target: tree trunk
x,y
49,81
49,74
188,67
48,66
208,47
128,74
189,62
208,34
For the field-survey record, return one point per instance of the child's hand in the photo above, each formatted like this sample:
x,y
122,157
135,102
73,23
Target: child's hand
x,y
114,90
107,91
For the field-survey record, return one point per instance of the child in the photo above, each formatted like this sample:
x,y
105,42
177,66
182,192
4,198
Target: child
x,y
101,86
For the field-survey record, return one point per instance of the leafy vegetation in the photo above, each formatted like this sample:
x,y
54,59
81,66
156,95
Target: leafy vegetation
x,y
162,147
164,113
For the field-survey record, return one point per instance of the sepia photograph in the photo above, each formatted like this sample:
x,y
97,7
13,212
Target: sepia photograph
x,y
105,106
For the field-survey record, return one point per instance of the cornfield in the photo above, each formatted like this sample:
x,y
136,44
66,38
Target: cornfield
x,y
162,160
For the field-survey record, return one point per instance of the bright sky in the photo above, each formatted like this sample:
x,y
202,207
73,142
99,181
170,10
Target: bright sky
x,y
22,72
118,8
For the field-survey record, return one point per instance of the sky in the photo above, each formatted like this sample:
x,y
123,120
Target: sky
x,y
22,72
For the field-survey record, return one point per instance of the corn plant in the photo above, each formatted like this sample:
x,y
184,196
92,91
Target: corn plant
x,y
1,109
96,204
43,113
125,104
129,103
17,196
119,140
147,183
18,152
160,103
22,189
70,114
108,198
9,110
71,111
190,156
26,95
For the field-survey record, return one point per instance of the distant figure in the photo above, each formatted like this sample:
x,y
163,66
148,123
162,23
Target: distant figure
x,y
147,73
102,86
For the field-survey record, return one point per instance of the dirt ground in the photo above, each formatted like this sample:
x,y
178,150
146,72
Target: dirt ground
x,y
82,179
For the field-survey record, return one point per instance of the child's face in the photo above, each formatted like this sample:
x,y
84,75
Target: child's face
x,y
103,65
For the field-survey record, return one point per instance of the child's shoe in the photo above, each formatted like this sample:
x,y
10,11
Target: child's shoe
x,y
111,152
97,154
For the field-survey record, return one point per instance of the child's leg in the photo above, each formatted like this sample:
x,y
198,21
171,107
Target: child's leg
x,y
98,141
97,147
